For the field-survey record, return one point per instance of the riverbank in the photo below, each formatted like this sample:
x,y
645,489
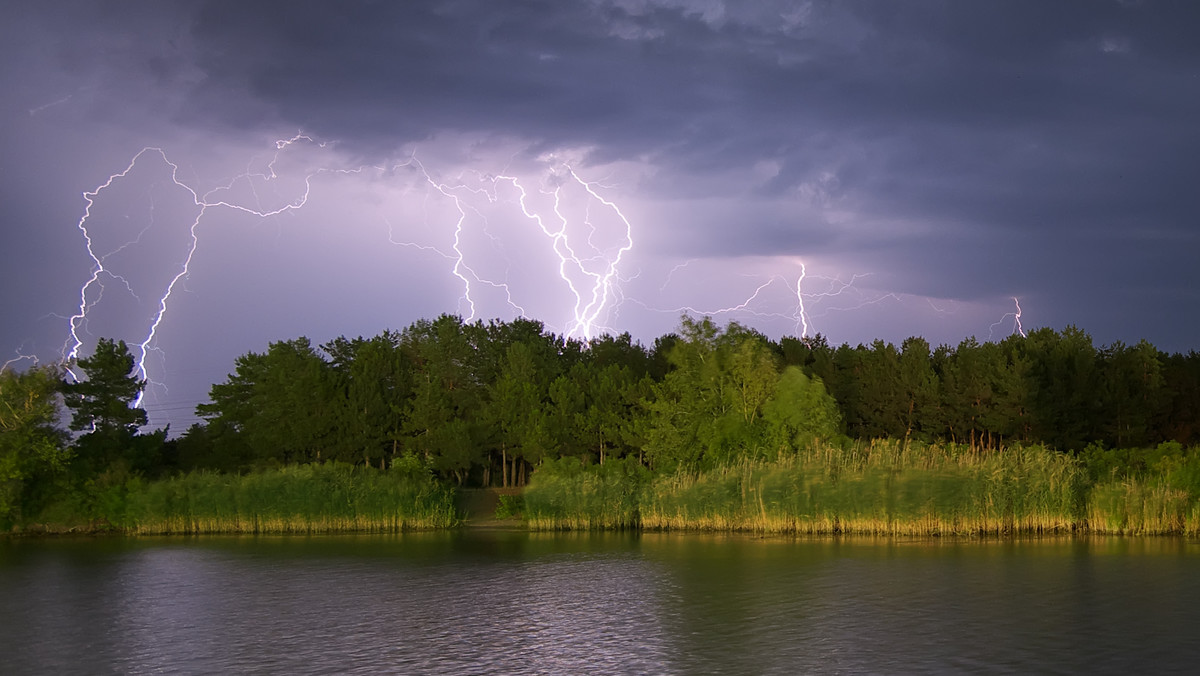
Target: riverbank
x,y
312,498
879,488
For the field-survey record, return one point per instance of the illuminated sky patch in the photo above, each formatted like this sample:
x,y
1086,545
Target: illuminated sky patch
x,y
859,169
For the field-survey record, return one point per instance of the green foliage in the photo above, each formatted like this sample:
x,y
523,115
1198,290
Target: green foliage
x,y
708,409
566,494
1064,383
482,404
1144,491
372,381
881,488
103,405
800,411
33,450
103,401
298,498
439,416
282,403
510,507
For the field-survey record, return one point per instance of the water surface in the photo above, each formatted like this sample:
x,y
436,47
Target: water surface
x,y
494,601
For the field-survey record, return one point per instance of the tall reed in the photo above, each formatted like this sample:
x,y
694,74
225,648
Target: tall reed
x,y
296,499
882,487
564,494
1144,491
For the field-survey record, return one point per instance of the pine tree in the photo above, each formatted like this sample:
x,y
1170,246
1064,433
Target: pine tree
x,y
103,405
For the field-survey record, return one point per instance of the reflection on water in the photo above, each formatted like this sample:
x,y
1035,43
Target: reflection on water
x,y
512,602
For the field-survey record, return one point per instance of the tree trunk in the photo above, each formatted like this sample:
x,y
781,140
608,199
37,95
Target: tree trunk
x,y
912,402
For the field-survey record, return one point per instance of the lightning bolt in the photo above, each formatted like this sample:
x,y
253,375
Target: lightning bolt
x,y
1016,317
59,102
588,269
204,202
19,358
598,286
460,269
800,312
603,282
672,271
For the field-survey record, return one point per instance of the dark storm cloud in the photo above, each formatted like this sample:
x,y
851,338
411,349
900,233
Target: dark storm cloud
x,y
997,114
970,149
1022,117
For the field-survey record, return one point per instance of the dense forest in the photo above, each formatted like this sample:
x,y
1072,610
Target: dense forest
x,y
485,404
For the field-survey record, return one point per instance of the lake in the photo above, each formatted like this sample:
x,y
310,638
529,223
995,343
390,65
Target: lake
x,y
480,601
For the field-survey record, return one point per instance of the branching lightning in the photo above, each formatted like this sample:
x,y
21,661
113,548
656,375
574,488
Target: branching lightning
x,y
1016,317
19,358
581,236
591,278
203,202
799,312
590,300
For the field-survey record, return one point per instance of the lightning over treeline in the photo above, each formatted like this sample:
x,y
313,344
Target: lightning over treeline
x,y
1015,315
529,237
140,261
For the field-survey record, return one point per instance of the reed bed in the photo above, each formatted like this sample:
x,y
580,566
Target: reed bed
x,y
566,495
1142,507
329,497
1144,491
880,488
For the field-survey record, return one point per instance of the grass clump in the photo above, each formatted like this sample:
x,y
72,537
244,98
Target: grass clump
x,y
565,494
510,507
315,498
884,487
1144,491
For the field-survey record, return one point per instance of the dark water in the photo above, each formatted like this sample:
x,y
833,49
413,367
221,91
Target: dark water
x,y
504,602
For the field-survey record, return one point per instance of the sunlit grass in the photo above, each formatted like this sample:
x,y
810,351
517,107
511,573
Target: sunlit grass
x,y
1150,507
566,495
298,499
883,487
877,488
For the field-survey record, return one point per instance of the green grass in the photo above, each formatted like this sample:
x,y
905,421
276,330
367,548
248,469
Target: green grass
x,y
882,487
1144,491
564,494
314,498
878,488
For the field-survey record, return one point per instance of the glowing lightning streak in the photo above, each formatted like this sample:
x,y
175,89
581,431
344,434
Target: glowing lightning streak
x,y
800,312
588,305
837,288
741,307
459,257
98,268
1017,327
672,271
605,283
18,358
586,314
74,342
800,315
1017,317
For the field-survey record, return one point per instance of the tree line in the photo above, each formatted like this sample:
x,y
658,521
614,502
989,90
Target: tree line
x,y
484,403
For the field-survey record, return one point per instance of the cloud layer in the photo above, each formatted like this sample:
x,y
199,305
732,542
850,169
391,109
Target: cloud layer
x,y
953,156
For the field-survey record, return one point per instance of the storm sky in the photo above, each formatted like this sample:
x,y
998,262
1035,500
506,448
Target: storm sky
x,y
914,168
